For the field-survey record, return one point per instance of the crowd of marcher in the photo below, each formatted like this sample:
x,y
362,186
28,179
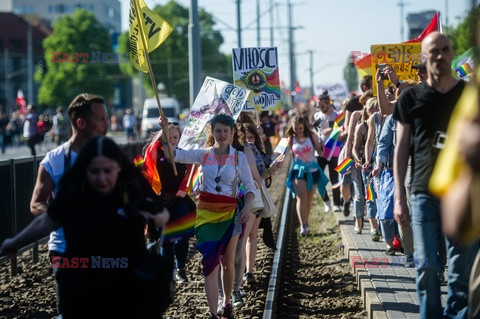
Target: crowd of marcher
x,y
96,204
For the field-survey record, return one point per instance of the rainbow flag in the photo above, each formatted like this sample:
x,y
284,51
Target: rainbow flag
x,y
464,70
331,144
370,193
344,165
138,161
214,227
340,119
150,168
191,179
182,220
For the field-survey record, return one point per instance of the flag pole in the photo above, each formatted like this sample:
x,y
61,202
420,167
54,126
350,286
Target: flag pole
x,y
165,133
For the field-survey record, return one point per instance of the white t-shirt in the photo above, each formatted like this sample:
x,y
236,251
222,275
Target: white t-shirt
x,y
54,164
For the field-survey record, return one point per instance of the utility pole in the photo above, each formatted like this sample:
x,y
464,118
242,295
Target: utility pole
x,y
30,64
258,24
271,23
446,12
312,92
401,4
8,98
291,52
194,52
239,25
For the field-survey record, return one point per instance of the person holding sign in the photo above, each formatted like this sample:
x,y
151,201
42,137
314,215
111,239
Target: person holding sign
x,y
305,173
223,169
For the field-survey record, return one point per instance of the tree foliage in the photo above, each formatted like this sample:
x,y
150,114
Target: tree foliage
x,y
80,32
350,75
463,36
170,60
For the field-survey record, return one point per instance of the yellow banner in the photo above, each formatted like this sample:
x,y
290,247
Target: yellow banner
x,y
154,30
401,57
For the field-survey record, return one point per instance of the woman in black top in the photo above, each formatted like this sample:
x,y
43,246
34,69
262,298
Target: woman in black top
x,y
102,204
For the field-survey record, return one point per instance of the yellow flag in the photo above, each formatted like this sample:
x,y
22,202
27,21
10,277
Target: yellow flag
x,y
154,30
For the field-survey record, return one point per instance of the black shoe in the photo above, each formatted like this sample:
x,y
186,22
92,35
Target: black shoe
x,y
346,209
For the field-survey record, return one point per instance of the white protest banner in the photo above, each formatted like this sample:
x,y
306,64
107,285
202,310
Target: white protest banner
x,y
257,70
338,92
215,97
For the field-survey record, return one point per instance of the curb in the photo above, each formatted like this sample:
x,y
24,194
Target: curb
x,y
370,299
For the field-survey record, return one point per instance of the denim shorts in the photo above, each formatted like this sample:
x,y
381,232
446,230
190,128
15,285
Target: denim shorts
x,y
347,179
315,175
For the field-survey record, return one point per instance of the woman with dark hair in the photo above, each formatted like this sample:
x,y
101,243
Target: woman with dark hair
x,y
305,172
223,169
102,204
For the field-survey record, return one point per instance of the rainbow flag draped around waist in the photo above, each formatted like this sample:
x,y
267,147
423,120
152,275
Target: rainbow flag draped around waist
x,y
214,227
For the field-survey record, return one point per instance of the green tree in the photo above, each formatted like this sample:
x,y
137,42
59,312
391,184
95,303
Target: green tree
x,y
170,60
463,36
80,32
350,75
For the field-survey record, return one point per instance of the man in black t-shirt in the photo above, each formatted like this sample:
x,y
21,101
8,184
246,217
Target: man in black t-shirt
x,y
422,113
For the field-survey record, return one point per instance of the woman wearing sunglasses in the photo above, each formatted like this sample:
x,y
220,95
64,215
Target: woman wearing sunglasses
x,y
223,169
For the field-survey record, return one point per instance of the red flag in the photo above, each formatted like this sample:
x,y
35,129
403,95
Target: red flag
x,y
21,103
364,65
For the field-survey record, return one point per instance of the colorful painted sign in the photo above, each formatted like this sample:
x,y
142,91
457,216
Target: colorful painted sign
x,y
401,57
257,70
215,97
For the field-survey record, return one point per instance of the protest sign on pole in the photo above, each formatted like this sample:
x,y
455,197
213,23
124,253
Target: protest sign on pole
x,y
257,70
215,97
401,57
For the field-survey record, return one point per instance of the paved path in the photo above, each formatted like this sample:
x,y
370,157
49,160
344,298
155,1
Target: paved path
x,y
387,287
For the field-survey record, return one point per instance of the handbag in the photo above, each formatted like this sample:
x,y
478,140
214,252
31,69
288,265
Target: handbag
x,y
257,203
268,205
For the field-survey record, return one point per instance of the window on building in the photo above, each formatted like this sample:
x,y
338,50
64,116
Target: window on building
x,y
24,9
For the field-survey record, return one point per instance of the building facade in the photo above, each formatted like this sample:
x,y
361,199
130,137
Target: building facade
x,y
108,12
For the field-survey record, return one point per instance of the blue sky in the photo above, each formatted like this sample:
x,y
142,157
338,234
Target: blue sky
x,y
332,29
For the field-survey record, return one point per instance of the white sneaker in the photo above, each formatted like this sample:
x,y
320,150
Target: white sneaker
x,y
336,208
327,207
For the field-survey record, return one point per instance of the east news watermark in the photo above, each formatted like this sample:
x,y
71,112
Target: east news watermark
x,y
95,57
93,262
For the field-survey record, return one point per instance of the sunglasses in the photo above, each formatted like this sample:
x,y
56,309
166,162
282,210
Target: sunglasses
x,y
218,188
174,123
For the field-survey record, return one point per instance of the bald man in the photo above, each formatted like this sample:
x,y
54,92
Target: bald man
x,y
422,115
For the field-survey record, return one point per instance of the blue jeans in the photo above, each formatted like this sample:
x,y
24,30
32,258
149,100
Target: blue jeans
x,y
178,249
427,234
358,193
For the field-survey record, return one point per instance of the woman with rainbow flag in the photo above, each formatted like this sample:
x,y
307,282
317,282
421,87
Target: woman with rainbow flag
x,y
223,169
173,191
